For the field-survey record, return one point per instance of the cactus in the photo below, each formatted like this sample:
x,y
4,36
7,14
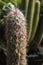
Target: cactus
x,y
30,17
35,20
26,8
16,28
39,33
16,37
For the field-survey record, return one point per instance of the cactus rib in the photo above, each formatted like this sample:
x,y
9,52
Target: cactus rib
x,y
30,16
35,20
26,8
39,33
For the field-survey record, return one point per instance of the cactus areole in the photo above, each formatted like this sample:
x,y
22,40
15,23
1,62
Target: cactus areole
x,y
16,37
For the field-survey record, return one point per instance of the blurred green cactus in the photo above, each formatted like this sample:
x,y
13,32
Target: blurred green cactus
x,y
35,20
33,15
30,15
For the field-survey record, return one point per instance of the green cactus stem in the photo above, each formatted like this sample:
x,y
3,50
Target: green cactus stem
x,y
30,17
26,8
39,33
35,20
16,37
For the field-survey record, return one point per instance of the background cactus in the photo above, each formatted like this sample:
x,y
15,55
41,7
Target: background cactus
x,y
39,31
35,20
30,17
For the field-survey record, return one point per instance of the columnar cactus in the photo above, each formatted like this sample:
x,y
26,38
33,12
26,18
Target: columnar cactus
x,y
30,16
16,37
39,33
35,20
26,8
37,28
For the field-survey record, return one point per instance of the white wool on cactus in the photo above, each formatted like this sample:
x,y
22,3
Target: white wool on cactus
x,y
16,37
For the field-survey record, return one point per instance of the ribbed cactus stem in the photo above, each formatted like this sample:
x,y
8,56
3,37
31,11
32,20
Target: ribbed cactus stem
x,y
26,8
16,36
39,33
35,19
30,16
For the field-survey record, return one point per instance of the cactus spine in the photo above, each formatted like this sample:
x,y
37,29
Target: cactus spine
x,y
16,36
30,16
35,19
